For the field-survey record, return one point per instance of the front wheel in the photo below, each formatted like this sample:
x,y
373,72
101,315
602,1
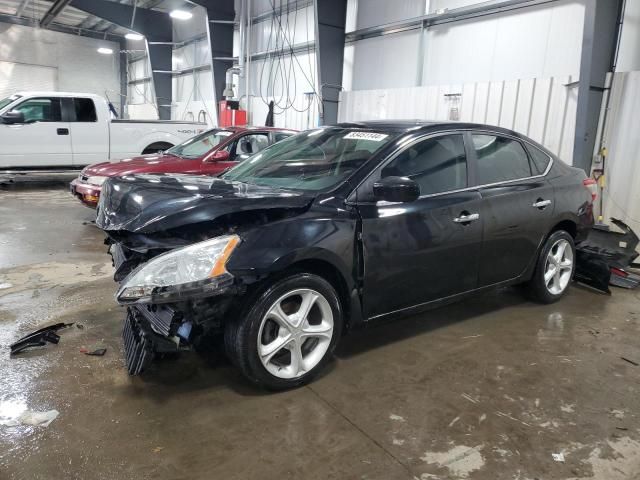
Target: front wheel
x,y
554,268
288,334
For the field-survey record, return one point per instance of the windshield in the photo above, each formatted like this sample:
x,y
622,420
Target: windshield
x,y
315,160
200,144
6,101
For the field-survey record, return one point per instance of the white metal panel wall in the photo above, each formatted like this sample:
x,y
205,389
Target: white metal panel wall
x,y
378,12
622,192
542,108
20,76
80,67
298,25
629,56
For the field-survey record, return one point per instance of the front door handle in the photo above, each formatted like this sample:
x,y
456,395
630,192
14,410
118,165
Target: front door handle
x,y
541,204
63,131
467,217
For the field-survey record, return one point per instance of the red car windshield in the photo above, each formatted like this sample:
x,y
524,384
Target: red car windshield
x,y
199,145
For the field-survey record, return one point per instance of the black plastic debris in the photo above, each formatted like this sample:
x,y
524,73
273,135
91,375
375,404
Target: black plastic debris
x,y
39,338
606,256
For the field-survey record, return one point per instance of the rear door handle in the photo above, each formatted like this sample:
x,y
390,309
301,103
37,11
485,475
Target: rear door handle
x,y
467,218
541,204
63,131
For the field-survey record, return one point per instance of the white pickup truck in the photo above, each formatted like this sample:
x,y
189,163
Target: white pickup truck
x,y
47,130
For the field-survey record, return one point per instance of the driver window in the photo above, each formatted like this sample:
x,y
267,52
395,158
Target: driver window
x,y
437,164
40,110
250,145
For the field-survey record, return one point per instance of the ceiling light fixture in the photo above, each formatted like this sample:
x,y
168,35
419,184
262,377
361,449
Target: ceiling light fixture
x,y
180,14
134,36
105,51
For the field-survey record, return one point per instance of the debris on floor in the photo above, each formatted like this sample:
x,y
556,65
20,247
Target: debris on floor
x,y
558,457
99,352
29,417
606,257
39,338
630,361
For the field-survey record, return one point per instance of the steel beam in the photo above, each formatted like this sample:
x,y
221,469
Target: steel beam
x,y
599,37
219,15
157,28
56,27
330,19
53,12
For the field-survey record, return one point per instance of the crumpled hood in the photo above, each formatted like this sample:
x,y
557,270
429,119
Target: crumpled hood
x,y
128,166
153,203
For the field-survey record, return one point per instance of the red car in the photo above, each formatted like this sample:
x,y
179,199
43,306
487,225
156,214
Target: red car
x,y
209,153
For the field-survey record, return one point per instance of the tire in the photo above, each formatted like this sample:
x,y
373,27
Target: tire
x,y
555,286
276,349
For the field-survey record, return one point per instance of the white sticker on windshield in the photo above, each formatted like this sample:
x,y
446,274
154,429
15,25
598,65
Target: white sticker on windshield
x,y
374,137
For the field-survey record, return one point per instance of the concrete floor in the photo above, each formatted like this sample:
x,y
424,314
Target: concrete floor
x,y
486,389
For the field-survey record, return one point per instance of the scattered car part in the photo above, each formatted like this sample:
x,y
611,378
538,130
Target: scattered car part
x,y
605,255
630,361
99,352
39,338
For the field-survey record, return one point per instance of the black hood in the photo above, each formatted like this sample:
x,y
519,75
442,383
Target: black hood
x,y
153,203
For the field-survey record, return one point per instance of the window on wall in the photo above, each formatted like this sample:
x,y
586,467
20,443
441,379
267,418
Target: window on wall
x,y
41,110
85,110
500,159
437,164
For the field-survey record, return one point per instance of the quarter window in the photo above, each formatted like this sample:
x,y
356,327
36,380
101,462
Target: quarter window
x,y
438,164
500,159
41,110
539,160
85,110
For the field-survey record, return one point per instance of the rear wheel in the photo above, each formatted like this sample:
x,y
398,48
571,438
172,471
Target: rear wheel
x,y
554,268
288,334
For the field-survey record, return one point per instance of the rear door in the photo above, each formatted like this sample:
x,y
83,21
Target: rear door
x,y
421,251
517,206
42,141
89,132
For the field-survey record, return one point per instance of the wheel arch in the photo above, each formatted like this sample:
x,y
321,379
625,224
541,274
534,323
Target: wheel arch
x,y
156,146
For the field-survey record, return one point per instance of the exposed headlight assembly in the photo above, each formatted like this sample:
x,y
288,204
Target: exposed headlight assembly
x,y
98,181
196,270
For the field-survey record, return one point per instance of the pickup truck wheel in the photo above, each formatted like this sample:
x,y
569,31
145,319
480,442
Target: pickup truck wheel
x,y
554,268
288,334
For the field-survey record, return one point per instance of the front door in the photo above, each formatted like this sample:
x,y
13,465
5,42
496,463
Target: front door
x,y
42,141
517,207
89,132
418,252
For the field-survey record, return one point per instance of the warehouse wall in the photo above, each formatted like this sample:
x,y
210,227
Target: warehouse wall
x,y
35,58
290,83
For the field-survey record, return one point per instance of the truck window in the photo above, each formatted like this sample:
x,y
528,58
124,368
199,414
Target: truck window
x,y
85,110
40,110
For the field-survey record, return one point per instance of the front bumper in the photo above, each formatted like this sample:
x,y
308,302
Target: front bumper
x,y
85,192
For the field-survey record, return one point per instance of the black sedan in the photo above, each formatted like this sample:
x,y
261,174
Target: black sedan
x,y
333,229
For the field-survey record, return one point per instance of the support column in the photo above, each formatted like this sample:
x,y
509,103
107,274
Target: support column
x,y
600,23
157,28
330,18
220,18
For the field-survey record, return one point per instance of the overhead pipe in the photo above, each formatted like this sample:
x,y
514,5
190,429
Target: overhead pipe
x,y
228,88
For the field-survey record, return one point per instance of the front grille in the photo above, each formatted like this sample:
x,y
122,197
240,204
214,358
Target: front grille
x,y
138,345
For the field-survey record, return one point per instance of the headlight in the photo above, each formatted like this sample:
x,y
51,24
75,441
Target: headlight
x,y
198,269
96,180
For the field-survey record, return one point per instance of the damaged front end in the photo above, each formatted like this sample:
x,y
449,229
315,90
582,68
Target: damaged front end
x,y
170,246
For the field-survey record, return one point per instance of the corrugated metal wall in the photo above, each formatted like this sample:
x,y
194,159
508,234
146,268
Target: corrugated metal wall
x,y
622,191
542,108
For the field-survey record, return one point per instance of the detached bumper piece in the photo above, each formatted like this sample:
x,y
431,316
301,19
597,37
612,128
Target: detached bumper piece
x,y
122,262
141,343
605,258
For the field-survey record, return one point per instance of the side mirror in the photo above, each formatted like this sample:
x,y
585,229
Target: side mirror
x,y
396,189
13,117
219,156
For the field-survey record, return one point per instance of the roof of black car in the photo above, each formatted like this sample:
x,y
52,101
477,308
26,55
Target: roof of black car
x,y
400,126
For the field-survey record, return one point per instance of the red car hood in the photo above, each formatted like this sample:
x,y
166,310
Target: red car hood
x,y
142,164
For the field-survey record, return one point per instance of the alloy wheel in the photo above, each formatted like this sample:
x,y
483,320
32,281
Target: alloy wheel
x,y
295,333
558,267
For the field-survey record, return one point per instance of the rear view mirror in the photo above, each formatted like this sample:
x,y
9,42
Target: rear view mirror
x,y
13,117
219,156
396,189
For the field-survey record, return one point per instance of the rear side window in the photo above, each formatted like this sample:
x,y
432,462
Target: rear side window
x,y
437,164
281,136
539,160
41,110
500,159
85,110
